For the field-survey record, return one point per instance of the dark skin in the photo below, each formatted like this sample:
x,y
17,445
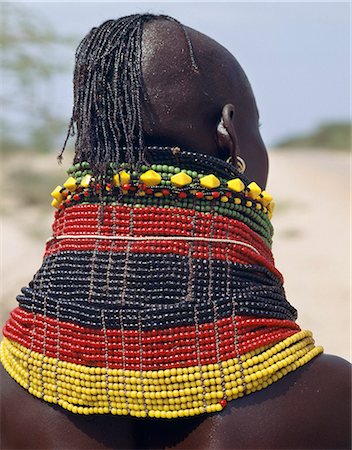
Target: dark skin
x,y
307,409
184,107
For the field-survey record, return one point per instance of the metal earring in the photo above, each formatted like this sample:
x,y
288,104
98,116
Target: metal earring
x,y
240,163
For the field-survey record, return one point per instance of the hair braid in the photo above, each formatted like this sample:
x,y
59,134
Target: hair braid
x,y
108,93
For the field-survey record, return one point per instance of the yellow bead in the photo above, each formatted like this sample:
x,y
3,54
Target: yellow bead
x,y
253,190
180,179
210,181
121,178
224,199
70,393
158,194
71,184
86,181
237,201
249,203
150,178
236,185
271,208
265,198
55,203
141,193
57,194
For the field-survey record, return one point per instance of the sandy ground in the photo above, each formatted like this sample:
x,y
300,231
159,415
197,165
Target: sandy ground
x,y
312,241
311,244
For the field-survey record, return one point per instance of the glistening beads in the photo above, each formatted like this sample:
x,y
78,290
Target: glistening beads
x,y
158,295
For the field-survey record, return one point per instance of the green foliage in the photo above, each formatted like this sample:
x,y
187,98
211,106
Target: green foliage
x,y
29,46
328,136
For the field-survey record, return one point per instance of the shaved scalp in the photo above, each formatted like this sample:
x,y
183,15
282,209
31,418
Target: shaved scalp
x,y
149,80
182,101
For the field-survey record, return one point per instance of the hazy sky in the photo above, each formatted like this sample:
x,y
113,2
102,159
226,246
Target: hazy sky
x,y
296,55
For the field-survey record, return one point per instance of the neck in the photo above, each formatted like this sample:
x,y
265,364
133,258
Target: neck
x,y
162,270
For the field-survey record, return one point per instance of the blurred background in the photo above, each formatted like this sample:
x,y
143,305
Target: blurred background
x,y
297,58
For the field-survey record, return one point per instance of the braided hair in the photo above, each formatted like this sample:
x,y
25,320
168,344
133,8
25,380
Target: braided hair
x,y
108,93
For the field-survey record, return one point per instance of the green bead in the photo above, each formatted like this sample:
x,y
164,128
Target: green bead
x,y
177,170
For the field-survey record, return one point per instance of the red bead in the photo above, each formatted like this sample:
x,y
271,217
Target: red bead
x,y
223,402
165,191
86,193
126,186
215,194
199,194
76,197
149,191
228,194
182,195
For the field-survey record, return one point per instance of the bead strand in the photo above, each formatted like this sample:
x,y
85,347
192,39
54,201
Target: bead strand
x,y
179,391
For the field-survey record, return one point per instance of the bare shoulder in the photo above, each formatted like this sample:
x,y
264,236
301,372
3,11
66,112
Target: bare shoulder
x,y
307,409
331,363
328,370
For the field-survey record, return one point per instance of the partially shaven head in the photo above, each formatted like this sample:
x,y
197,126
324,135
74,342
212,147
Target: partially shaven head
x,y
148,80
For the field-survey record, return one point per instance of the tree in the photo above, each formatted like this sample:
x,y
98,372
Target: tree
x,y
29,47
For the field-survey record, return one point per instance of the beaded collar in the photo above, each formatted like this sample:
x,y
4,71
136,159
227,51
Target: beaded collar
x,y
158,295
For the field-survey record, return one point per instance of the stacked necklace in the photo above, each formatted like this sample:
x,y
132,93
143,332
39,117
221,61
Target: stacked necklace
x,y
158,295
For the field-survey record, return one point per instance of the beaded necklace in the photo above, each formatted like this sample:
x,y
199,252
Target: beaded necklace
x,y
158,295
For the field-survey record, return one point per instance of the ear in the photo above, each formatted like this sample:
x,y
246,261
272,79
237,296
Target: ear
x,y
226,132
